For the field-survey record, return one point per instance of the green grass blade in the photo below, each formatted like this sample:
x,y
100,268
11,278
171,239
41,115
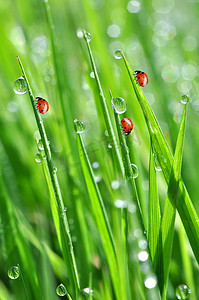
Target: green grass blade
x,y
154,211
67,247
103,104
100,215
185,207
186,261
128,169
124,235
168,219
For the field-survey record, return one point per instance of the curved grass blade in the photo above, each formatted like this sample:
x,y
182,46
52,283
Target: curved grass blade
x,y
66,241
168,219
154,211
138,220
103,104
186,260
185,207
100,216
128,170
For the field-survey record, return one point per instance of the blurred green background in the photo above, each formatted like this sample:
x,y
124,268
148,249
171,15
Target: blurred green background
x,y
158,37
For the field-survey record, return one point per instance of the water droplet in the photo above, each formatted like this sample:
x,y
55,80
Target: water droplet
x,y
97,178
37,135
183,291
119,105
87,36
95,165
135,171
54,170
118,54
126,147
115,184
38,158
106,133
156,159
79,33
184,99
121,203
143,255
110,146
153,129
142,244
79,126
40,145
13,272
61,290
20,86
92,74
87,291
150,282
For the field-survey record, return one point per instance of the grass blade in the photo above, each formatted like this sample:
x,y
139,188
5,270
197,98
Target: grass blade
x,y
168,219
100,215
128,170
185,207
67,247
154,211
103,104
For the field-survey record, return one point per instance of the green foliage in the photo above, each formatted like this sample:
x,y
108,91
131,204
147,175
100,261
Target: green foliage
x,y
72,216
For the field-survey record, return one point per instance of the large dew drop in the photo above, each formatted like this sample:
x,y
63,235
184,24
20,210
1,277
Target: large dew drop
x,y
135,170
61,290
184,99
13,272
54,170
87,36
79,126
157,159
38,158
118,54
183,292
119,105
40,145
20,86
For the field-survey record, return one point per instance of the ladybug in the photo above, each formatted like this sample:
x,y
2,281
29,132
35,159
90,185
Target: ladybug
x,y
142,78
42,105
127,125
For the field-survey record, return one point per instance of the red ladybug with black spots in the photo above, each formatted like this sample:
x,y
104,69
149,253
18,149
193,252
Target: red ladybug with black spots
x,y
127,125
42,105
142,78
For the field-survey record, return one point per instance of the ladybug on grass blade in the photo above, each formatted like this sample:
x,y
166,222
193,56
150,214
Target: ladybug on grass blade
x,y
142,78
42,105
127,125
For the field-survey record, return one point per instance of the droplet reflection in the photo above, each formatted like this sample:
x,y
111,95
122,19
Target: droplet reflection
x,y
119,105
118,54
14,272
20,86
61,290
183,292
184,99
79,126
